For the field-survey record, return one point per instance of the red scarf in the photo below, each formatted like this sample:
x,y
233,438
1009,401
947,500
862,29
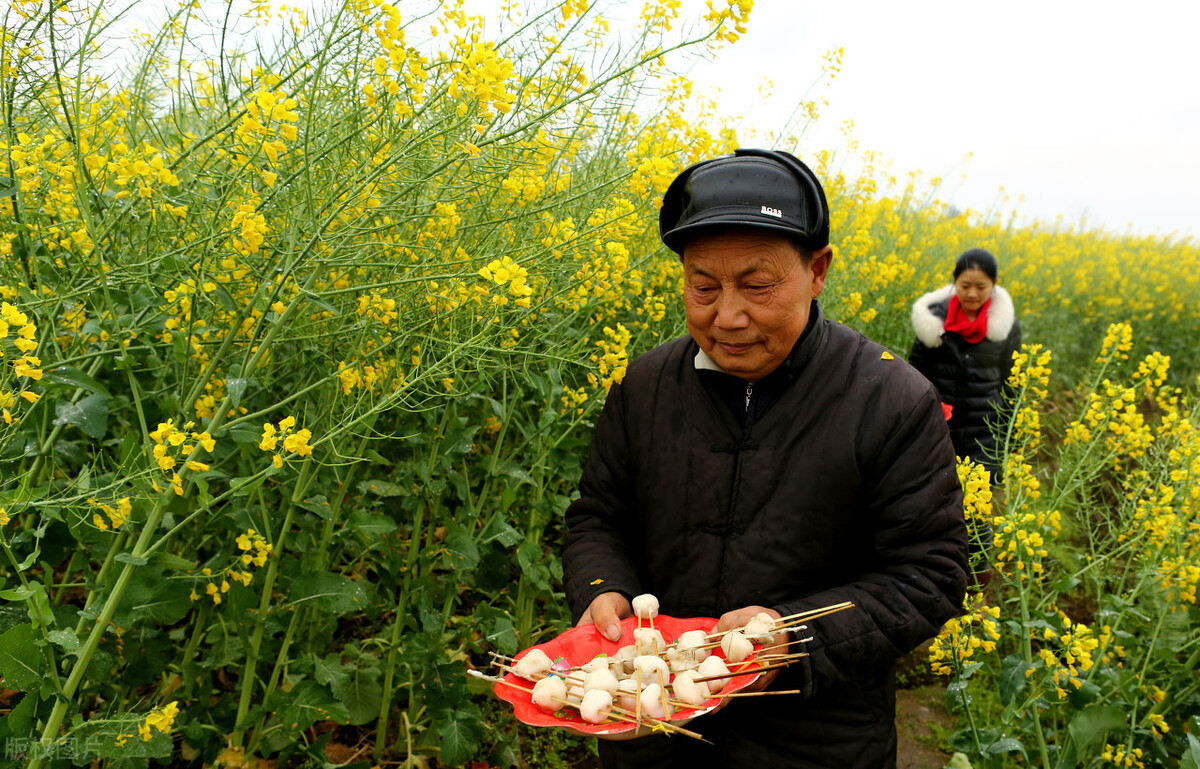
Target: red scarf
x,y
971,330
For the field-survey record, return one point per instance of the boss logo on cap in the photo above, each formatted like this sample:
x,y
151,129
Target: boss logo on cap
x,y
772,211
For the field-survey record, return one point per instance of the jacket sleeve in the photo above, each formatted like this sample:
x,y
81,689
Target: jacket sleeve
x,y
920,358
597,556
918,543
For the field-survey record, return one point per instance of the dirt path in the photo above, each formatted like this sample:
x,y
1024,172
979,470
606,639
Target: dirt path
x,y
921,724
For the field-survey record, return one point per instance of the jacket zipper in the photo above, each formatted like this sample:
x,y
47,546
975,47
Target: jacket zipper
x,y
749,393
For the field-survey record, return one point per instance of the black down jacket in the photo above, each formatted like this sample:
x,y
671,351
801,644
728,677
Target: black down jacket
x,y
844,490
969,377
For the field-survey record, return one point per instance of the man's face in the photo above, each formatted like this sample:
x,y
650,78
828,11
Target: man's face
x,y
747,295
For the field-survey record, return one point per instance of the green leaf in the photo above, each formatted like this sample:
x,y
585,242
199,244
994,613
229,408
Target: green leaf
x,y
21,663
382,489
501,532
319,505
460,733
22,718
1004,745
243,485
226,300
330,671
463,552
74,377
328,592
326,306
246,434
529,558
16,594
1090,725
1085,695
370,525
504,636
458,441
1012,678
39,607
34,554
165,602
66,639
964,739
236,387
90,414
134,560
1191,756
307,703
361,693
515,471
957,696
166,560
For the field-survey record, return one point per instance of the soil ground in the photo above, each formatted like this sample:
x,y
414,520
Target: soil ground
x,y
921,724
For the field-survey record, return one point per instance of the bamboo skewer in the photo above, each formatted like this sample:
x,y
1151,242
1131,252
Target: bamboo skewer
x,y
638,692
757,694
821,612
742,672
662,688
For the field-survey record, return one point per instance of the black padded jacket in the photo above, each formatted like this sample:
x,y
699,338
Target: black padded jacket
x,y
969,377
843,490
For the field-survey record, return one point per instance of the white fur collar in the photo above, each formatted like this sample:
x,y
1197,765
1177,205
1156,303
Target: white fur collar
x,y
929,327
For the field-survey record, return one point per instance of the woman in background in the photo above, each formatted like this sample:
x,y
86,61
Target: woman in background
x,y
967,333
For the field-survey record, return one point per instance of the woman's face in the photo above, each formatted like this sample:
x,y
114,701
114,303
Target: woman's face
x,y
973,288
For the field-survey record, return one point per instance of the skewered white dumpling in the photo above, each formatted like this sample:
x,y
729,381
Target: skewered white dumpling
x,y
596,706
645,606
600,661
623,660
627,694
602,679
654,703
692,641
549,693
574,681
681,660
648,641
714,666
648,664
687,690
760,629
533,665
736,646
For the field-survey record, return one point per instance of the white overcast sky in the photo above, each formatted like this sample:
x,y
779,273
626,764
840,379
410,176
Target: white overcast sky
x,y
1084,110
1080,109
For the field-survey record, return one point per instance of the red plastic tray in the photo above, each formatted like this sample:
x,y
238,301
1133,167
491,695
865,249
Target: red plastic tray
x,y
579,645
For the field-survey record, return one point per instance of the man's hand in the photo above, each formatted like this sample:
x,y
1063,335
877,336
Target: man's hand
x,y
606,612
731,620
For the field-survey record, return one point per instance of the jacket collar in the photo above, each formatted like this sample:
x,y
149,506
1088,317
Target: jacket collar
x,y
806,346
929,315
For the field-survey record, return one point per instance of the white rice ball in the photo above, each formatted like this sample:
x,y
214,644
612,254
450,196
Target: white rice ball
x,y
714,666
736,646
645,606
549,693
602,679
533,665
652,703
596,706
687,690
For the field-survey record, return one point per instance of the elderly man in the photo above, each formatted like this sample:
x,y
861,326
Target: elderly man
x,y
772,460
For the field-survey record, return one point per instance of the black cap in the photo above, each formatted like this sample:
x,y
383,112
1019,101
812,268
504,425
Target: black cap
x,y
761,189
